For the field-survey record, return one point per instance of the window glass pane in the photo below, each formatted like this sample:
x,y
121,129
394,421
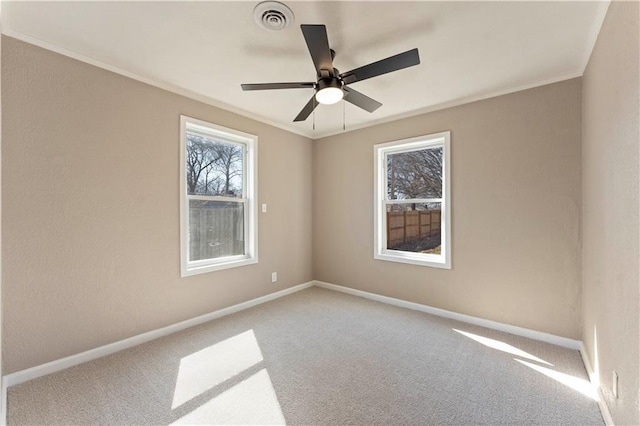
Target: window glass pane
x,y
213,167
415,174
414,227
216,229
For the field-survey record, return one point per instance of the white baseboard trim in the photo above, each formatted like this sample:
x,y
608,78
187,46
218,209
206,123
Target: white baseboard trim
x,y
494,325
70,361
595,382
3,398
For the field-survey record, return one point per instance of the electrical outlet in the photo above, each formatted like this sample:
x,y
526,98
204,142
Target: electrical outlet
x,y
614,384
274,277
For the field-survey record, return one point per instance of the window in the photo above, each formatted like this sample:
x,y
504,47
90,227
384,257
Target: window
x,y
217,191
412,201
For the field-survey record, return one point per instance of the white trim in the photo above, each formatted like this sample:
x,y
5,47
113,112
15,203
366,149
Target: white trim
x,y
211,130
420,259
493,325
99,352
3,390
228,263
249,145
595,382
217,198
169,87
413,200
451,104
309,134
3,401
594,32
380,201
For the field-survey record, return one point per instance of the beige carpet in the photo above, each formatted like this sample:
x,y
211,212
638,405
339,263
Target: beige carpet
x,y
319,357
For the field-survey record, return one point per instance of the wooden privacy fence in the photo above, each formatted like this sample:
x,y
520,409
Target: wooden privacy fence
x,y
411,225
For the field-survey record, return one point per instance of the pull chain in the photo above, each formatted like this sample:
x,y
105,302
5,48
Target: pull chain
x,y
344,120
314,113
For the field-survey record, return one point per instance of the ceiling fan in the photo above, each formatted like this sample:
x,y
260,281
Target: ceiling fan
x,y
331,85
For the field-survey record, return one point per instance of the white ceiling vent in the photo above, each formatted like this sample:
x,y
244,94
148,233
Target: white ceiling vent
x,y
273,15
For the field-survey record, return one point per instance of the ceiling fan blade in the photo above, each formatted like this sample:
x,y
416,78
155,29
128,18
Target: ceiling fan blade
x,y
383,66
270,86
360,100
318,44
307,110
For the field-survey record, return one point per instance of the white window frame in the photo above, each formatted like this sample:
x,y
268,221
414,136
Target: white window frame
x,y
380,153
250,190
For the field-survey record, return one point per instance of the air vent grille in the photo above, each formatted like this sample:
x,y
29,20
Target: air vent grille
x,y
273,15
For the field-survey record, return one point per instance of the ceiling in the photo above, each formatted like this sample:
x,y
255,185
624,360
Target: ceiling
x,y
205,50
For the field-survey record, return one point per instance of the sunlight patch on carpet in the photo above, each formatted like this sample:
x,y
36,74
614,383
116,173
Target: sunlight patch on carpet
x,y
501,346
581,385
209,367
252,401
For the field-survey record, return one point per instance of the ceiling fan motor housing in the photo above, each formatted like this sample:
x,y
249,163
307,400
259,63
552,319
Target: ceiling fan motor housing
x,y
323,83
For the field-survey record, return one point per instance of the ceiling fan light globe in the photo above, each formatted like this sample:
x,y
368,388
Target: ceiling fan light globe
x,y
329,95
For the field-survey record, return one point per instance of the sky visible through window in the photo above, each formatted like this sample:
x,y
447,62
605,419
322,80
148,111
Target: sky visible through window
x,y
214,168
415,174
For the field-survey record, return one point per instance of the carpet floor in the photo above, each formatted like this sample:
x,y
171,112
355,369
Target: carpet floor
x,y
319,357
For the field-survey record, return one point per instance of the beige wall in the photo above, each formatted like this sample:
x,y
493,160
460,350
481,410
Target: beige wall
x,y
611,231
91,209
515,172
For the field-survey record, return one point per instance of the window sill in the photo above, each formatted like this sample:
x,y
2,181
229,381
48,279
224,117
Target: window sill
x,y
414,259
190,270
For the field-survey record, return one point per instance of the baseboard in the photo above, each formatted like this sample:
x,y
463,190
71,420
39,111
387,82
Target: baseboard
x,y
595,382
70,361
494,325
3,398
